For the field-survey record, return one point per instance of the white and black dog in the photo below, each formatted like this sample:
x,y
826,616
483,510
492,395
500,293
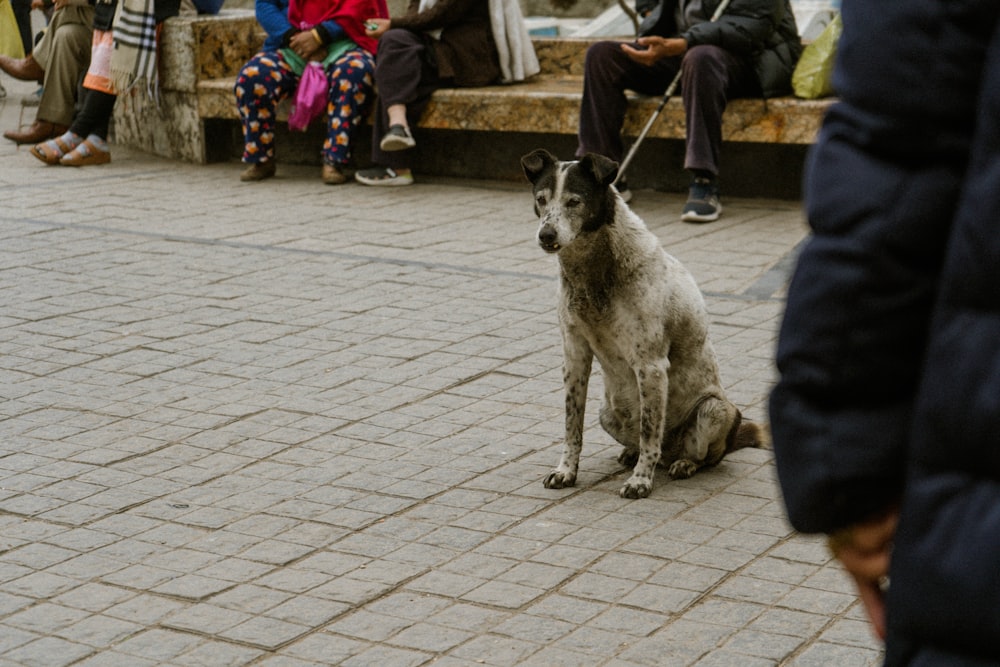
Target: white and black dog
x,y
623,299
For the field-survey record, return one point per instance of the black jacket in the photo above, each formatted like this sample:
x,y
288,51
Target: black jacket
x,y
466,52
889,353
763,30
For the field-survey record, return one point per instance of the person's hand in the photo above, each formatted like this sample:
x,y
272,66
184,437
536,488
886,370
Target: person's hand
x,y
865,550
305,44
376,27
650,49
38,4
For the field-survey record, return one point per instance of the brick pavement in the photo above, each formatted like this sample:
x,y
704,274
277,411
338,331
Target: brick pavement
x,y
287,424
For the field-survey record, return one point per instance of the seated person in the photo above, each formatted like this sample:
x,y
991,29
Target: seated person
x,y
298,31
58,61
121,61
750,51
442,44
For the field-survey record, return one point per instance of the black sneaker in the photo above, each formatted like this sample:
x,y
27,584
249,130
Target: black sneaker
x,y
384,176
703,201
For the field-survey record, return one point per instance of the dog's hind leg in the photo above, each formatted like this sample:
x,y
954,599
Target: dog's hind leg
x,y
618,416
704,442
578,358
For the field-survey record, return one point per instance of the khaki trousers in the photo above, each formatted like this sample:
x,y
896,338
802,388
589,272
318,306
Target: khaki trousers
x,y
64,54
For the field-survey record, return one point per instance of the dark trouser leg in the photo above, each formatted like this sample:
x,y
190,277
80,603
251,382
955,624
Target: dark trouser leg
x,y
95,115
22,15
710,76
403,75
608,72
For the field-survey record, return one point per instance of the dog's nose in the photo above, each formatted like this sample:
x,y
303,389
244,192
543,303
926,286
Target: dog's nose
x,y
548,238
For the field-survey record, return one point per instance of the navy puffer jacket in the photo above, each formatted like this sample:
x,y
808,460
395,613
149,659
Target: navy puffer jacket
x,y
889,353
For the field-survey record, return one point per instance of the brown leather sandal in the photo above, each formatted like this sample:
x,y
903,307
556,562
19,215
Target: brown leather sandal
x,y
51,151
84,155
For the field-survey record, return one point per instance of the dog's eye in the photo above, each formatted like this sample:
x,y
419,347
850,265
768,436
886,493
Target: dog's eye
x,y
573,202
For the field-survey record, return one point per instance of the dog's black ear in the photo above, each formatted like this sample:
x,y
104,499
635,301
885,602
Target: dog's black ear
x,y
604,170
536,162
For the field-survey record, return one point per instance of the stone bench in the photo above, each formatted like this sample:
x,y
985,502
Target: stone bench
x,y
201,56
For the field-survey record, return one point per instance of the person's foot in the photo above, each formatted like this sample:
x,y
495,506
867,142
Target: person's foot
x,y
258,171
397,138
91,151
333,175
39,131
53,150
25,69
703,201
384,176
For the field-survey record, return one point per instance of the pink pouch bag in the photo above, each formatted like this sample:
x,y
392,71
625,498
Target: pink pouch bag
x,y
310,98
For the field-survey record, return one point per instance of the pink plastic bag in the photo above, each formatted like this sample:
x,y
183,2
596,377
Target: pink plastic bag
x,y
310,98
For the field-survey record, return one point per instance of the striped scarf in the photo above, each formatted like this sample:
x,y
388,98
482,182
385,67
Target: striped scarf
x,y
134,57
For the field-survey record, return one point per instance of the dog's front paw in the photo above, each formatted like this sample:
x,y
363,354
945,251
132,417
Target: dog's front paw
x,y
682,469
559,479
637,487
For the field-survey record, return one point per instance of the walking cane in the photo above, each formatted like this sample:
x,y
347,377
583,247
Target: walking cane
x,y
666,98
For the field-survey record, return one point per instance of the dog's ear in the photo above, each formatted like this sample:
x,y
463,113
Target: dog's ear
x,y
603,169
536,162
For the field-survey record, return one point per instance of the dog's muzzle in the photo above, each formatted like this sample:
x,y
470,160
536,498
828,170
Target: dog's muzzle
x,y
548,238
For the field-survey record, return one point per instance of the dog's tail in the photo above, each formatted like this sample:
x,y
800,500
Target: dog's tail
x,y
749,434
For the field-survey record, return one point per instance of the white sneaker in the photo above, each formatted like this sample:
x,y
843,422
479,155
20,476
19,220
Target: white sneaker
x,y
398,138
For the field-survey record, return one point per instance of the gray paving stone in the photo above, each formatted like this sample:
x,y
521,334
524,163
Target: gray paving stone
x,y
562,657
430,638
318,648
156,644
661,599
388,656
12,638
99,631
219,654
593,641
48,651
822,653
205,618
113,658
265,632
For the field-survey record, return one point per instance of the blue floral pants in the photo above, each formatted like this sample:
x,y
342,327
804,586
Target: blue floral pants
x,y
267,79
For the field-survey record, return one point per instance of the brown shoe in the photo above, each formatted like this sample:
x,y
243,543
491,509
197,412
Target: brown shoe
x,y
85,155
332,175
258,171
39,131
25,69
50,152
